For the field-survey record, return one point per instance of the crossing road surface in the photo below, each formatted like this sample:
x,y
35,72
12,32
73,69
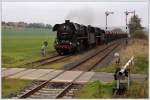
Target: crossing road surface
x,y
68,76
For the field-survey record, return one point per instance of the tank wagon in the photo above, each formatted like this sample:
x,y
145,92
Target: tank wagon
x,y
73,37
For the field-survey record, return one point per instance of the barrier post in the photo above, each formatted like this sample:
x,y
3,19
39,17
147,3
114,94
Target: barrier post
x,y
122,74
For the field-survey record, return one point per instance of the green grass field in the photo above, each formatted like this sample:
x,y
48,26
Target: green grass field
x,y
9,86
20,46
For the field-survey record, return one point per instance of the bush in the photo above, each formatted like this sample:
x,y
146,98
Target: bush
x,y
139,34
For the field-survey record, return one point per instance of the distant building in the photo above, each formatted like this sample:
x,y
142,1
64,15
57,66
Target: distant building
x,y
22,24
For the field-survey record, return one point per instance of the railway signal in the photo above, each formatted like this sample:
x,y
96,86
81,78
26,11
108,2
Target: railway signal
x,y
126,14
107,13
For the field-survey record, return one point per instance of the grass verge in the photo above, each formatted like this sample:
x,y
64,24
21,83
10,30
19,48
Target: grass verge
x,y
11,86
137,90
96,89
138,49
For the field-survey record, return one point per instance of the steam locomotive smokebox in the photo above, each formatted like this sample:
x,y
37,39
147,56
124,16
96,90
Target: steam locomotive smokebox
x,y
67,21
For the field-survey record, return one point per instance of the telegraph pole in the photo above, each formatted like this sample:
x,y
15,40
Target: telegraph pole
x,y
107,13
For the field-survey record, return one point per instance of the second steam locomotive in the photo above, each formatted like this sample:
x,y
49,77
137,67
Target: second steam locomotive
x,y
73,37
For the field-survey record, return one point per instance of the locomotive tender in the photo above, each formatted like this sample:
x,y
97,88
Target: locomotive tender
x,y
73,37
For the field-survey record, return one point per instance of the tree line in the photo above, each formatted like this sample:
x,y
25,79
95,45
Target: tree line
x,y
27,25
136,30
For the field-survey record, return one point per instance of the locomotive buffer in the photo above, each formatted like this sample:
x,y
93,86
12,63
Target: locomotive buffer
x,y
122,77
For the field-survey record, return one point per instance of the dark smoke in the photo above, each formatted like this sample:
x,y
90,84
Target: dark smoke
x,y
81,15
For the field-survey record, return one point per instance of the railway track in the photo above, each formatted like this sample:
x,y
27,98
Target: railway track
x,y
49,60
47,89
40,63
52,90
58,90
45,61
93,61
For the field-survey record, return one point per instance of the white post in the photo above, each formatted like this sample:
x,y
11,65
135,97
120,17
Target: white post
x,y
128,80
118,82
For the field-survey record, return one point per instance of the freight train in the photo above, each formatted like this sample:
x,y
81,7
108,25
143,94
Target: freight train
x,y
73,37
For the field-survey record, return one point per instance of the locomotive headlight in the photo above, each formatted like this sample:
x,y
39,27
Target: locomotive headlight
x,y
70,43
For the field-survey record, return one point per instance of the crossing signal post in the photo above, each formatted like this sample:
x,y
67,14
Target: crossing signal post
x,y
122,77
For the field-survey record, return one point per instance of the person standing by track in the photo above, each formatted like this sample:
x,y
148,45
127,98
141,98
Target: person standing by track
x,y
117,56
44,48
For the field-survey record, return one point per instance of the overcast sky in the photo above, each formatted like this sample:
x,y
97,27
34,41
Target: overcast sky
x,y
80,12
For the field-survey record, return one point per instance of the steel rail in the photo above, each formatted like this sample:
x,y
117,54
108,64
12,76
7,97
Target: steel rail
x,y
68,86
86,60
44,63
102,58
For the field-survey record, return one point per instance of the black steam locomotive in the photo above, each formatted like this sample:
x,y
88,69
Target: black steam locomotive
x,y
73,37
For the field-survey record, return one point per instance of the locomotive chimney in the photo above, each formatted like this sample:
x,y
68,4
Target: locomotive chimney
x,y
67,21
